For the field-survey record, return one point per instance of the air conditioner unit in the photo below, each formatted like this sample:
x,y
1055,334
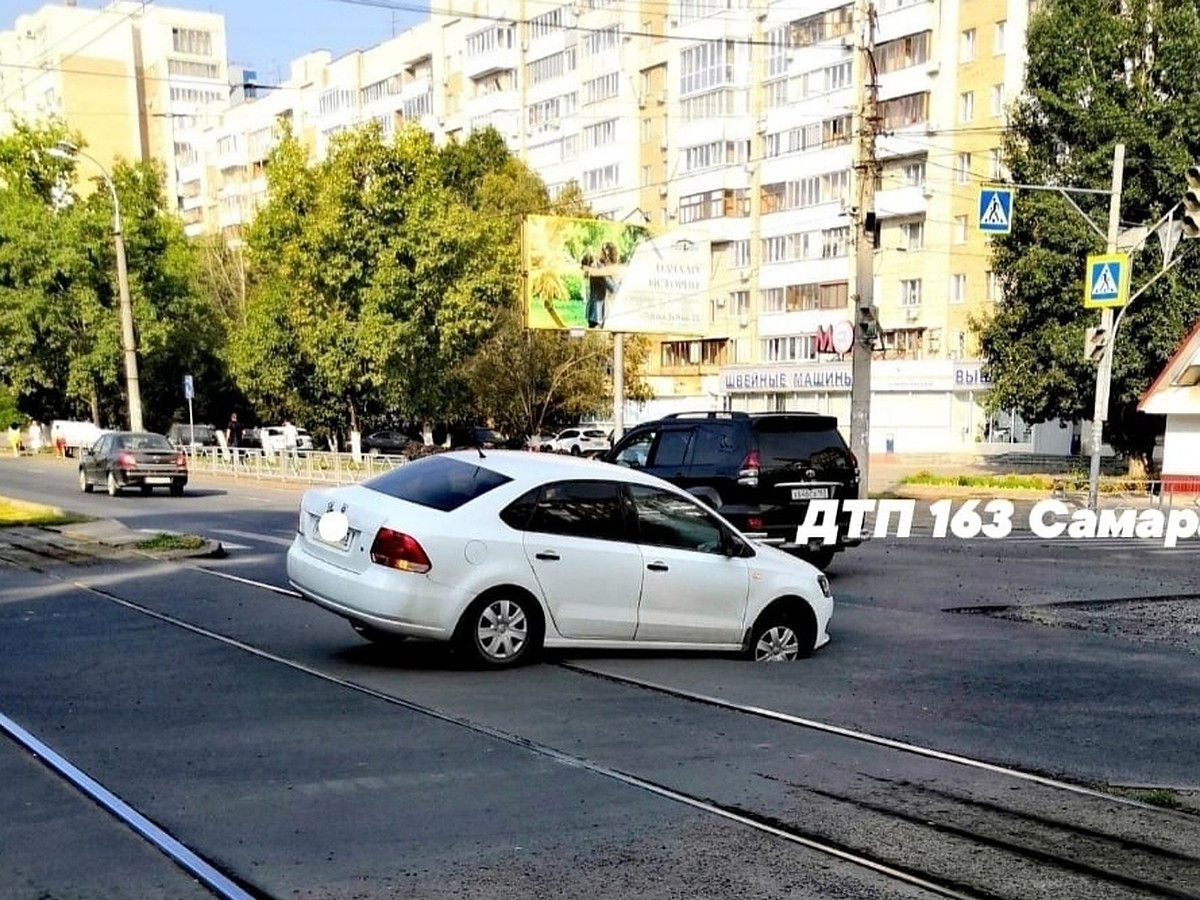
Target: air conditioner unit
x,y
931,127
662,97
926,191
641,101
720,301
662,190
665,145
912,313
744,275
934,67
744,320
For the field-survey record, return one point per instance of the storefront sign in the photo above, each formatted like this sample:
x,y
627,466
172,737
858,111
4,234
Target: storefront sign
x,y
789,378
970,376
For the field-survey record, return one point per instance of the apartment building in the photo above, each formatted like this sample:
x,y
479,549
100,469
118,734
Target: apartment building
x,y
733,119
135,79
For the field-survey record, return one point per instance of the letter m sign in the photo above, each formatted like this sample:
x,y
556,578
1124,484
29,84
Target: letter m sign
x,y
824,340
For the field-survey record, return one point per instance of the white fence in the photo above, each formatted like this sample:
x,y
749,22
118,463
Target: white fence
x,y
310,467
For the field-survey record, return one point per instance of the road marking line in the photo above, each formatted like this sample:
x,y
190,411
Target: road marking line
x,y
287,592
126,813
253,536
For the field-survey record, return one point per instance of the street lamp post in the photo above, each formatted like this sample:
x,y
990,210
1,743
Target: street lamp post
x,y
67,150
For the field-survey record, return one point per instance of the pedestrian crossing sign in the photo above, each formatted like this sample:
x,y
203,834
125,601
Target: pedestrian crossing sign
x,y
1107,281
995,210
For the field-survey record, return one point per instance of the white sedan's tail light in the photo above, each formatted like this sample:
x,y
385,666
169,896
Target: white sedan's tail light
x,y
397,550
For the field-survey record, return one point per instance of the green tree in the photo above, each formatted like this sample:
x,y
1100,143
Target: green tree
x,y
1129,77
372,279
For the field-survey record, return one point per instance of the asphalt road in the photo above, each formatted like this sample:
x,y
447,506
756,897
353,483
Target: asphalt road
x,y
266,735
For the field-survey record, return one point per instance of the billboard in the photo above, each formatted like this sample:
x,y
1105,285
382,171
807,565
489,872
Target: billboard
x,y
614,276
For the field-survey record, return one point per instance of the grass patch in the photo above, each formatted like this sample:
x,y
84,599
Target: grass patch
x,y
19,514
1007,482
1159,797
163,541
1068,482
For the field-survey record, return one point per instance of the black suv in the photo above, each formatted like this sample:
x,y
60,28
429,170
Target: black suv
x,y
759,470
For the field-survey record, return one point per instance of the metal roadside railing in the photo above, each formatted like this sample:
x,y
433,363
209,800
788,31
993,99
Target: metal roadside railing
x,y
1123,492
306,466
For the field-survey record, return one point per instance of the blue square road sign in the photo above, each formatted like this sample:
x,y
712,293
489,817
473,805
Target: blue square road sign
x,y
995,210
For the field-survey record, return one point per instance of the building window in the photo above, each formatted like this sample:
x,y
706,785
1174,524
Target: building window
x,y
913,235
605,178
962,168
835,242
739,303
821,27
706,66
553,66
714,205
647,131
914,174
966,45
903,53
958,288
189,68
1000,42
966,106
605,87
739,254
794,348
910,292
960,229
600,134
194,41
494,37
900,112
772,300
997,99
647,176
548,22
708,352
995,164
994,291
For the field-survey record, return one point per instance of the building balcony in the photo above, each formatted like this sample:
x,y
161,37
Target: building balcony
x,y
506,59
910,200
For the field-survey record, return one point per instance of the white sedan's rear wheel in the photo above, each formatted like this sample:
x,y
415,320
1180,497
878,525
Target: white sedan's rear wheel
x,y
501,630
84,484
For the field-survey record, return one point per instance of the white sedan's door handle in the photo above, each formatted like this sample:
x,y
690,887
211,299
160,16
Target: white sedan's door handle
x,y
547,555
658,566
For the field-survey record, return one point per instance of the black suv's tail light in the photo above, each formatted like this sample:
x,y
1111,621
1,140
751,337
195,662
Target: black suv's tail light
x,y
748,471
853,462
397,550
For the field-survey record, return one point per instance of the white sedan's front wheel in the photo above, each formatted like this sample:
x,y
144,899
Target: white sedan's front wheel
x,y
111,484
84,484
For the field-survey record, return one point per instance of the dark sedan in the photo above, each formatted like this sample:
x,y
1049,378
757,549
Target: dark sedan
x,y
121,459
391,443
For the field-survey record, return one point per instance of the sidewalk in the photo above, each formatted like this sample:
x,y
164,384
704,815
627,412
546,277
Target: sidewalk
x,y
86,543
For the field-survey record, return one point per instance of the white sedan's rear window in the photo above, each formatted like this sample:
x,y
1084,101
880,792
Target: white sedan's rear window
x,y
437,482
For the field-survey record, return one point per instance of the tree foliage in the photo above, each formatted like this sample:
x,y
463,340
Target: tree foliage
x,y
385,286
1128,77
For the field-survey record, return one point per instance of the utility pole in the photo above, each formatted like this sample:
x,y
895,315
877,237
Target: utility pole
x,y
1104,370
866,169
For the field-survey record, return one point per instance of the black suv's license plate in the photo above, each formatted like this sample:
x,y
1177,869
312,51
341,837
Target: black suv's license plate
x,y
820,493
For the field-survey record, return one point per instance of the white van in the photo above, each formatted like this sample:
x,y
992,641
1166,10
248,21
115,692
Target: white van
x,y
75,435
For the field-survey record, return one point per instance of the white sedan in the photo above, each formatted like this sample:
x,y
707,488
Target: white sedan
x,y
503,552
579,442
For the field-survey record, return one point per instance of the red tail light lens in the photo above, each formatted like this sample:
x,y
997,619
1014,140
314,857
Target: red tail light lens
x,y
126,460
181,460
397,550
748,472
853,461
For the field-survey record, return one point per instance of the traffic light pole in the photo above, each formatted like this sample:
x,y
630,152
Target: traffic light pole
x,y
1104,370
866,167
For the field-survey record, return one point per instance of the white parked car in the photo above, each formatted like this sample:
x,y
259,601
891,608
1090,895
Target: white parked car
x,y
271,437
503,552
579,442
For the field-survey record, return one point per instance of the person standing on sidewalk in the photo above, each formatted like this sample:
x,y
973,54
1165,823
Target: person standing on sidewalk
x,y
233,436
291,439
